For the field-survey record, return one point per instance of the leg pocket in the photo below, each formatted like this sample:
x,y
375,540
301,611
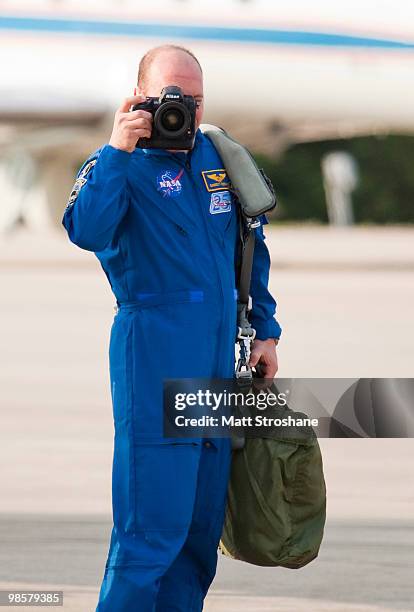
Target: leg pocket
x,y
213,475
166,481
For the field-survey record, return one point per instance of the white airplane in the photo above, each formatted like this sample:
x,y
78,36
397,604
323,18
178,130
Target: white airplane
x,y
275,73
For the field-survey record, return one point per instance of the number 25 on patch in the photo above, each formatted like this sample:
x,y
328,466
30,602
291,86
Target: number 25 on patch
x,y
220,202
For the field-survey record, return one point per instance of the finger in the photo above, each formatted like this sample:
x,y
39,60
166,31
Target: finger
x,y
270,371
141,122
271,368
141,133
128,102
132,115
254,358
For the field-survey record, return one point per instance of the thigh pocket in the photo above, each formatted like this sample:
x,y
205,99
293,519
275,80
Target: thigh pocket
x,y
212,484
166,481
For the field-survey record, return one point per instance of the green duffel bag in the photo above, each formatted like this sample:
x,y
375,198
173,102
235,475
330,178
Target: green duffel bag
x,y
276,507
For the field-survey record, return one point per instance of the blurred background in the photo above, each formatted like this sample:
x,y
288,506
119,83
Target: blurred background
x,y
323,94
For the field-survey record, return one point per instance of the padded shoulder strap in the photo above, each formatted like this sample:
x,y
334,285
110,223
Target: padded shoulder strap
x,y
253,189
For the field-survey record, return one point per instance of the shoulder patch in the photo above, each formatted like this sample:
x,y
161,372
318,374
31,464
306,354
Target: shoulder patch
x,y
80,181
87,168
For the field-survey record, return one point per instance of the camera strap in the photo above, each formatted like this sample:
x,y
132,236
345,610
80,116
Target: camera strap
x,y
255,195
245,332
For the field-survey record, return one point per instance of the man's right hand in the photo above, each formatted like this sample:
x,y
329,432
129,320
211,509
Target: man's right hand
x,y
130,125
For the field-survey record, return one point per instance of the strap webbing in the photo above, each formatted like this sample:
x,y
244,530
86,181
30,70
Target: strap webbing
x,y
246,266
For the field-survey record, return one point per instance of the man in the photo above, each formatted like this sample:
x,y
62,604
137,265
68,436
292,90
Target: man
x,y
169,257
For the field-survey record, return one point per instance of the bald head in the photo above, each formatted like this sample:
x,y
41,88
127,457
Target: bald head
x,y
172,65
171,50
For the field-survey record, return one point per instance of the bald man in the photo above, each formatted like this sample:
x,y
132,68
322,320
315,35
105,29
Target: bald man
x,y
169,255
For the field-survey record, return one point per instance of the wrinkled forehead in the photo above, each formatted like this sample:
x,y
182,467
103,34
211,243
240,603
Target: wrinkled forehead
x,y
174,69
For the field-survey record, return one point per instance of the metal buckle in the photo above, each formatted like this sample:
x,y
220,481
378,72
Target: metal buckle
x,y
245,338
252,223
246,333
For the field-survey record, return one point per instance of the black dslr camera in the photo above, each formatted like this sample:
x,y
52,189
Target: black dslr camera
x,y
173,125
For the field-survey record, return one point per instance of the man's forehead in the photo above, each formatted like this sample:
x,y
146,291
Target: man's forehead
x,y
188,86
175,63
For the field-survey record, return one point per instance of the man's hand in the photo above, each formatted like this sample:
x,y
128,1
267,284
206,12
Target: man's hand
x,y
130,126
264,353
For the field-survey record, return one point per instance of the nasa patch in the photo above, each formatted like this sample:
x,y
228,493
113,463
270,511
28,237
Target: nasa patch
x,y
220,202
216,180
168,183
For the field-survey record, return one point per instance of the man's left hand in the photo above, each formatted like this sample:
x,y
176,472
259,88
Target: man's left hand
x,y
264,353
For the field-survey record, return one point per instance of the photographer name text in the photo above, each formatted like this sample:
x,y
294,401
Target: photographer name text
x,y
245,421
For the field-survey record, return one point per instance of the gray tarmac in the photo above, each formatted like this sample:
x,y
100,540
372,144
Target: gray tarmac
x,y
345,303
362,566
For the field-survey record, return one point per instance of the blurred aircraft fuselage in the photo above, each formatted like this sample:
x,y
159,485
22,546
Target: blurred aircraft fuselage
x,y
275,73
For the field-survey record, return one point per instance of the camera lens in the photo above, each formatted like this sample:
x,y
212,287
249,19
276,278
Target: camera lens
x,y
172,120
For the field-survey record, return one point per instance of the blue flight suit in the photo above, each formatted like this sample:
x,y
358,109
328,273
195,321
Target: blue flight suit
x,y
164,228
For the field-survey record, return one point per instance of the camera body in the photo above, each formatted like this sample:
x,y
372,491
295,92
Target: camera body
x,y
173,125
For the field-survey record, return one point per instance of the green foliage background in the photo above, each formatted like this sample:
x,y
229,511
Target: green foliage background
x,y
385,193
